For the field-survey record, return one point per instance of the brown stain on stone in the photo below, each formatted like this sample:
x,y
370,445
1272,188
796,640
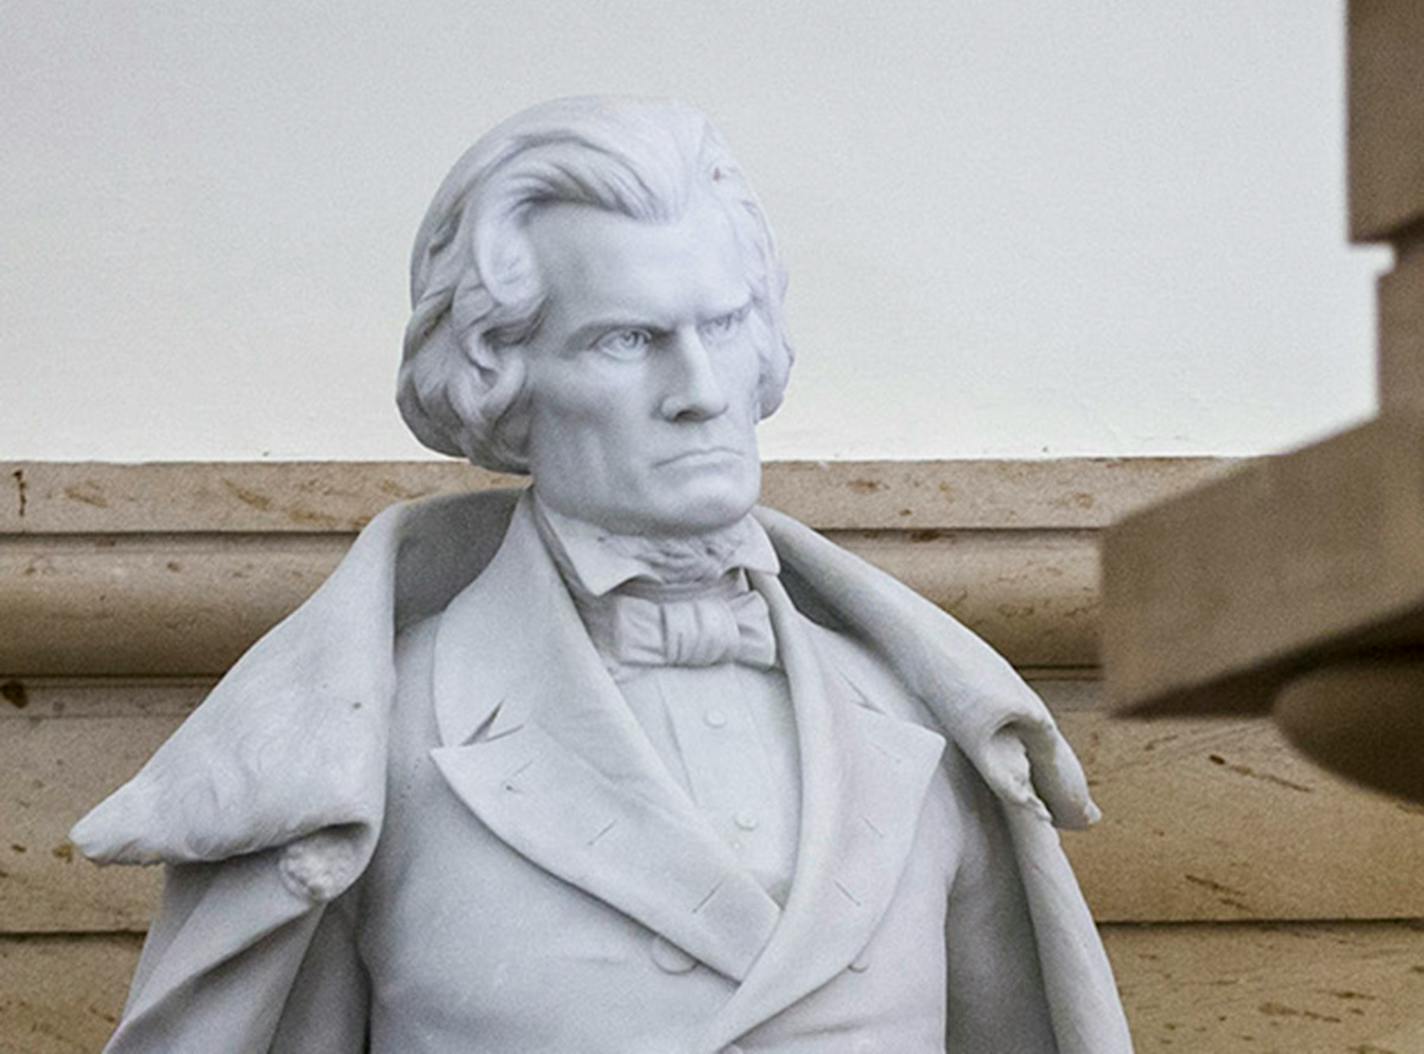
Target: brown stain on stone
x,y
1232,897
1266,777
87,493
14,693
926,536
1153,744
310,518
250,498
1089,610
1079,499
1214,886
262,503
395,490
865,486
953,600
63,852
1273,1009
22,487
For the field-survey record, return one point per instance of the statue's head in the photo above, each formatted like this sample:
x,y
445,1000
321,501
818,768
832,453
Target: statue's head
x,y
598,302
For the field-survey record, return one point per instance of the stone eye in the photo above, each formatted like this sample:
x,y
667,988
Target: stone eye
x,y
723,326
624,343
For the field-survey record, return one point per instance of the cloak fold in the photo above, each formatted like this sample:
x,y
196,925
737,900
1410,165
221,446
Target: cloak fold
x,y
267,802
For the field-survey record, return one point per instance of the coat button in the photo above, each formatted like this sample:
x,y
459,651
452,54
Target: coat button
x,y
860,963
669,957
746,820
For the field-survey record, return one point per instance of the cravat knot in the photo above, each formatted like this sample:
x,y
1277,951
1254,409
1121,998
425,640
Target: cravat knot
x,y
710,630
727,623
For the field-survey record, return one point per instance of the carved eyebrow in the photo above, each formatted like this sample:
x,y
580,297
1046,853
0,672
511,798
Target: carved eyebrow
x,y
741,309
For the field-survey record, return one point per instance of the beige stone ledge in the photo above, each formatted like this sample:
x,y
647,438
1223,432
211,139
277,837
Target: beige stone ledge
x,y
1203,820
315,497
190,604
175,569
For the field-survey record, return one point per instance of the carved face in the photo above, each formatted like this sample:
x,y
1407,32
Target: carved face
x,y
643,375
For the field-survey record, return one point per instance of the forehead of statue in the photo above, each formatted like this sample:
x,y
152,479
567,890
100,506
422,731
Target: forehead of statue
x,y
603,270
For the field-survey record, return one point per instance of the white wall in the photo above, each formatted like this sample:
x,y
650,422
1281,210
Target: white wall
x,y
1013,228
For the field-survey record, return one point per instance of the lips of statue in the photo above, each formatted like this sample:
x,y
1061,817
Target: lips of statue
x,y
643,376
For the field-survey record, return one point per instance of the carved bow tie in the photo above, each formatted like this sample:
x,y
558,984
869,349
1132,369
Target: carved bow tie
x,y
703,630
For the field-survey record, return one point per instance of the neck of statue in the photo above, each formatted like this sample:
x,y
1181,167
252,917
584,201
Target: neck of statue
x,y
594,560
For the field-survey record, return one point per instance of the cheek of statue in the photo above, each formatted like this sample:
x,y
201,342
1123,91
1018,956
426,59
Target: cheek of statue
x,y
650,445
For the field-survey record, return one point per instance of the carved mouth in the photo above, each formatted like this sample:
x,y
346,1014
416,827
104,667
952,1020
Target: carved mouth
x,y
711,453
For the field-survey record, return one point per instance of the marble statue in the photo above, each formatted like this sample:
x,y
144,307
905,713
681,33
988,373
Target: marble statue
x,y
620,762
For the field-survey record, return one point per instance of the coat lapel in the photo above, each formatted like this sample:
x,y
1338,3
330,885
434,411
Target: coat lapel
x,y
538,743
864,777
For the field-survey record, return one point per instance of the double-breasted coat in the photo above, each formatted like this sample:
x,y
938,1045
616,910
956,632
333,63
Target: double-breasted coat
x,y
481,852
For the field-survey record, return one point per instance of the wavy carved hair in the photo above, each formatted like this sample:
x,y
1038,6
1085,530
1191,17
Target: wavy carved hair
x,y
475,289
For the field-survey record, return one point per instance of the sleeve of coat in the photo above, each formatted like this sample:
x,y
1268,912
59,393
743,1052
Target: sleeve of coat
x,y
328,1009
219,961
1027,969
996,993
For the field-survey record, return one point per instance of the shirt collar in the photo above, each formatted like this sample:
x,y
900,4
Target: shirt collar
x,y
600,560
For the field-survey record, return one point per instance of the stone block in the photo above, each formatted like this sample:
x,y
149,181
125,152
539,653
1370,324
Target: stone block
x,y
1386,117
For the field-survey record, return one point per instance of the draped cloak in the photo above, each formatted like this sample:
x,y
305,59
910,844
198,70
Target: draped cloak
x,y
267,803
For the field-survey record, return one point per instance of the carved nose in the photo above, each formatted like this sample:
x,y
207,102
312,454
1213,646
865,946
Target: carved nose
x,y
696,395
